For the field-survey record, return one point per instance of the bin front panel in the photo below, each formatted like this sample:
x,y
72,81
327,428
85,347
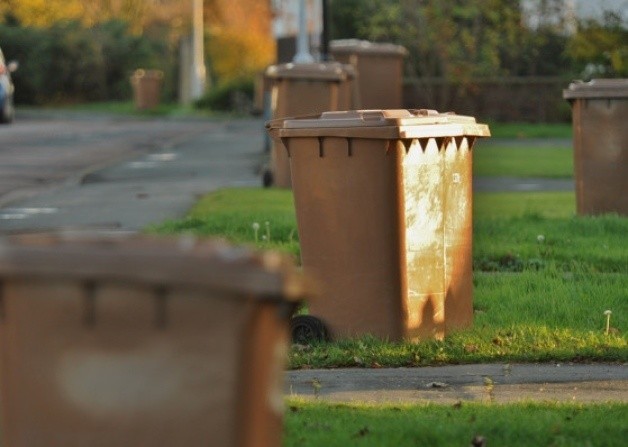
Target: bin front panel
x,y
458,182
119,365
423,193
346,199
601,155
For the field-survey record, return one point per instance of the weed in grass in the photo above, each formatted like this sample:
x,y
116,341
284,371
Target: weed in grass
x,y
255,231
608,313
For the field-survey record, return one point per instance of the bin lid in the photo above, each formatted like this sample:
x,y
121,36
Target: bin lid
x,y
364,46
328,71
156,261
597,88
394,124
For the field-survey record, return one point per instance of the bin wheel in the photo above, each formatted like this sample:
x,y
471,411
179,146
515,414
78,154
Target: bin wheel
x,y
267,178
305,329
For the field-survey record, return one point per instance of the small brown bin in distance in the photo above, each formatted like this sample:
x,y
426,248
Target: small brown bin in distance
x,y
147,88
142,341
305,89
379,71
383,202
600,140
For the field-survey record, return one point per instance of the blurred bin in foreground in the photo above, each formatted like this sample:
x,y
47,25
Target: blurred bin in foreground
x,y
379,71
600,140
142,341
383,202
305,89
147,88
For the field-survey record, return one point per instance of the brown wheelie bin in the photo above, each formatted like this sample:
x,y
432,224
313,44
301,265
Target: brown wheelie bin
x,y
383,202
305,89
147,88
600,143
142,341
379,71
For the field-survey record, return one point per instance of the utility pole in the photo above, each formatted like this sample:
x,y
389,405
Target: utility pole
x,y
199,72
325,38
303,55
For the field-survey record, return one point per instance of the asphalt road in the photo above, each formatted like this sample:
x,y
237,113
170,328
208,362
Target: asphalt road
x,y
119,174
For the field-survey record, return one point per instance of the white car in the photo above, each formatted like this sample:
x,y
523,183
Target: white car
x,y
7,109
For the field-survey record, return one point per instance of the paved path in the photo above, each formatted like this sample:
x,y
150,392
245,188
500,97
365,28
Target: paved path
x,y
478,383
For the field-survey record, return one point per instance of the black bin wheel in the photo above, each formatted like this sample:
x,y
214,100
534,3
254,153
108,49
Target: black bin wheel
x,y
267,178
305,329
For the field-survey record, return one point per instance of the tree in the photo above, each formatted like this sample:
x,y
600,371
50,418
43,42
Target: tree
x,y
240,41
601,49
459,39
42,12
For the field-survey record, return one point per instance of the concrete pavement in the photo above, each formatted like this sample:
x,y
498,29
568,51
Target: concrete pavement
x,y
473,383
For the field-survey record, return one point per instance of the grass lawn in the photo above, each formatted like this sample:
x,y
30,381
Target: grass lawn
x,y
525,424
523,161
534,301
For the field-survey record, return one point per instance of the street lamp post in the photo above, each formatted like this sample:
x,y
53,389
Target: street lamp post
x,y
198,52
303,55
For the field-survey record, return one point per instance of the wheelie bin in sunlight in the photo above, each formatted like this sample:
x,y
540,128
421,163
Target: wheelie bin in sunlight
x,y
305,89
383,202
600,145
142,341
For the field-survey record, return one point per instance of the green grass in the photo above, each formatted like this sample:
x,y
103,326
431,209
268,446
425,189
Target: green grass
x,y
523,317
508,205
232,214
513,425
530,130
507,227
523,161
534,300
513,231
